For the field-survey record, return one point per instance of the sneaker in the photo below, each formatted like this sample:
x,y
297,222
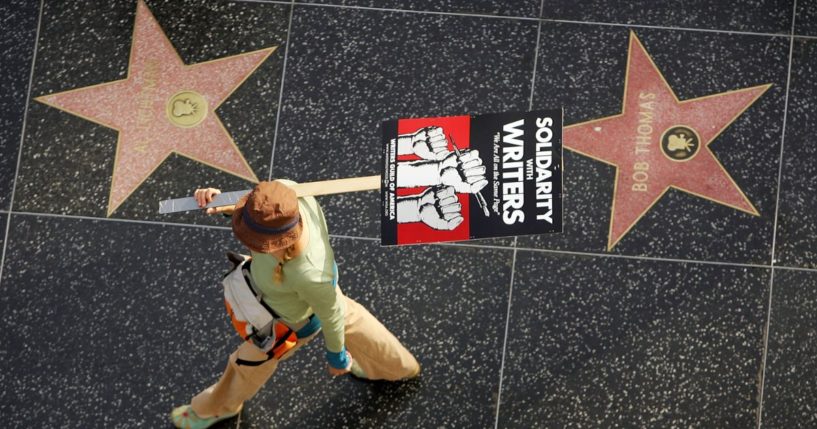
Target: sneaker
x,y
185,418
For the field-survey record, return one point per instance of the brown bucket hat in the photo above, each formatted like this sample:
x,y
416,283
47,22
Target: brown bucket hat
x,y
267,219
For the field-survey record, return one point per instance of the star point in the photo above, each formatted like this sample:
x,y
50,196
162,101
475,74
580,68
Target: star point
x,y
162,107
659,142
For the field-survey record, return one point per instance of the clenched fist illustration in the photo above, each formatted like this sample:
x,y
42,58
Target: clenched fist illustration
x,y
464,172
427,143
437,207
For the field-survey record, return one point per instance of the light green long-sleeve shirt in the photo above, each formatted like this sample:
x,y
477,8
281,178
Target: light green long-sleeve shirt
x,y
310,283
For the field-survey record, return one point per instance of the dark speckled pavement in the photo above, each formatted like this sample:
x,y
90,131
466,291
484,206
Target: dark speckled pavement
x,y
700,316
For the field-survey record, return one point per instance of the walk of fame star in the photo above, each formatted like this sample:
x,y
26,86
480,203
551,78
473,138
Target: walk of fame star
x,y
658,142
163,107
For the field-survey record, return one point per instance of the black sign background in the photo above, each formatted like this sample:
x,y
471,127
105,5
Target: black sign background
x,y
484,128
486,136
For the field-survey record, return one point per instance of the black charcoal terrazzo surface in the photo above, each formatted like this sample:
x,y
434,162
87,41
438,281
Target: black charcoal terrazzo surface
x,y
444,304
109,324
805,23
517,8
330,120
791,365
87,43
113,323
759,16
796,243
588,80
18,28
621,343
3,219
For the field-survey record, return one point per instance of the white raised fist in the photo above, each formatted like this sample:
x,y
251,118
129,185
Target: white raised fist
x,y
437,207
464,172
427,143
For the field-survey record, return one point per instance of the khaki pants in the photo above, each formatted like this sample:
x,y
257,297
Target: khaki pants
x,y
372,346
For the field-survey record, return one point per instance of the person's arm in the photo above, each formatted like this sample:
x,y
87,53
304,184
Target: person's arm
x,y
331,311
205,196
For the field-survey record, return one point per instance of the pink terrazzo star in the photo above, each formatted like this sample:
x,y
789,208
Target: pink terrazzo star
x,y
163,107
659,142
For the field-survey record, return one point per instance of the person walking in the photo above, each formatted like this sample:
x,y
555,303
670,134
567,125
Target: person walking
x,y
293,266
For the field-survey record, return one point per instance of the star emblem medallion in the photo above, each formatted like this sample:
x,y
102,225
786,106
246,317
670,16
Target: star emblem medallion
x,y
659,142
163,107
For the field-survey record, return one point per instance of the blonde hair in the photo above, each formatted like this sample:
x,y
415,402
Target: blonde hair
x,y
278,274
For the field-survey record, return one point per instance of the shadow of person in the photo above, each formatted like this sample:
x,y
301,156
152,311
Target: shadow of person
x,y
369,404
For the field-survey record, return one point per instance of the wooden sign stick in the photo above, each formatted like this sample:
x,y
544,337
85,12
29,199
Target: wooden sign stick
x,y
324,187
337,186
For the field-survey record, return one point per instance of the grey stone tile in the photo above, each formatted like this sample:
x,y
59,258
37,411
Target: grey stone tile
x,y
762,16
158,287
790,387
107,324
805,23
583,69
349,70
88,43
523,8
610,342
18,29
796,240
447,305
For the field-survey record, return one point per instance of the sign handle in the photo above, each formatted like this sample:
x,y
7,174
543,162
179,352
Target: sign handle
x,y
324,187
337,186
